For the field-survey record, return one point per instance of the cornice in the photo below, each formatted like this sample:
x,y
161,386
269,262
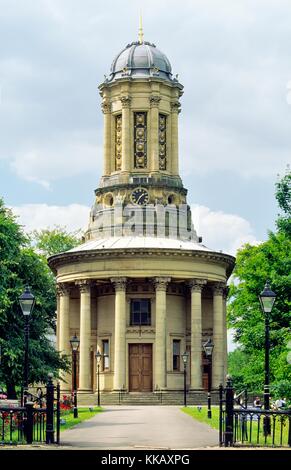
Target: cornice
x,y
89,255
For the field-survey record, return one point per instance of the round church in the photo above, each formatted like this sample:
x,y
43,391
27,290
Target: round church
x,y
142,289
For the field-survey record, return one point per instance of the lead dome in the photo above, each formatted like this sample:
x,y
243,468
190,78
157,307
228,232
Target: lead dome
x,y
140,60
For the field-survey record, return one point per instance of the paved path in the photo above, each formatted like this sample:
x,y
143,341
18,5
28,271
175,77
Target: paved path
x,y
140,427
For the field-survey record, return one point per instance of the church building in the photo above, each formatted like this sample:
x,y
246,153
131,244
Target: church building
x,y
142,289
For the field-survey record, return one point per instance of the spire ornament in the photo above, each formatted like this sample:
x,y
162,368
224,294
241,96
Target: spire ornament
x,y
140,31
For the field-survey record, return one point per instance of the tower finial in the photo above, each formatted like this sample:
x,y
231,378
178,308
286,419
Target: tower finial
x,y
140,31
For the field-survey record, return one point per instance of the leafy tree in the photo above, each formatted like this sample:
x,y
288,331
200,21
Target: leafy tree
x,y
57,240
21,265
254,265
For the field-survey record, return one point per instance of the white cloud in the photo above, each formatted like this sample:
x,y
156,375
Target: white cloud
x,y
46,163
221,231
42,216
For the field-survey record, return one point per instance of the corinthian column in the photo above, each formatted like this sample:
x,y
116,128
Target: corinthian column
x,y
106,108
196,286
119,379
154,133
218,335
175,109
126,150
161,284
63,291
225,293
85,335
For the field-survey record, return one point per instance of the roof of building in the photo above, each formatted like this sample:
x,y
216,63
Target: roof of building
x,y
141,60
139,242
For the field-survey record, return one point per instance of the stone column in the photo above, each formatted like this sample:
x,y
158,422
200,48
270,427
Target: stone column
x,y
119,379
218,356
196,286
85,336
126,150
161,329
106,108
175,109
154,133
63,291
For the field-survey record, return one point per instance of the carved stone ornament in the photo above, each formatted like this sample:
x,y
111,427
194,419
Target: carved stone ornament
x,y
84,286
218,288
63,289
154,101
106,107
119,283
225,292
125,101
196,285
175,106
161,283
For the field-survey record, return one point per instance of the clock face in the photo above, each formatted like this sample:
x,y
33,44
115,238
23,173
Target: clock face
x,y
140,196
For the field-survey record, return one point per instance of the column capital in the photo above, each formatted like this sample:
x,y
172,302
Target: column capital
x,y
218,288
106,107
161,283
125,101
196,285
63,288
154,101
119,283
84,285
176,106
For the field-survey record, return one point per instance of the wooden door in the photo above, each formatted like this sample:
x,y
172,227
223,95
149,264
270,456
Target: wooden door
x,y
140,368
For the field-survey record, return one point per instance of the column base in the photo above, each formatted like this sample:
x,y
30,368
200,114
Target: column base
x,y
85,390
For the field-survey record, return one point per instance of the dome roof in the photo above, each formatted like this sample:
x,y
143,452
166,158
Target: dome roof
x,y
140,60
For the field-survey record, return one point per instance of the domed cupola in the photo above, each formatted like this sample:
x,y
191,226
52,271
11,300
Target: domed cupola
x,y
140,60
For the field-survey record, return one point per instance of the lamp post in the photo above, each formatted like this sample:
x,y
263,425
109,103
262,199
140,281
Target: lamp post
x,y
267,298
208,349
75,342
98,356
185,360
27,302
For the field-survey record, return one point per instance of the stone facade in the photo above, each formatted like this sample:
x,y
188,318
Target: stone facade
x,y
180,284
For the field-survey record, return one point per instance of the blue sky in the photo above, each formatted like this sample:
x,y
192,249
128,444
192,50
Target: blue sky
x,y
233,59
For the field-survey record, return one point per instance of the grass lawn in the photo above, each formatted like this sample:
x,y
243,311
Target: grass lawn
x,y
202,415
83,415
253,435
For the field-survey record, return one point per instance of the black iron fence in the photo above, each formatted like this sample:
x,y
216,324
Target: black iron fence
x,y
243,425
33,422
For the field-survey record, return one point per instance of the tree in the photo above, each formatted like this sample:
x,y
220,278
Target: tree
x,y
57,240
254,265
21,265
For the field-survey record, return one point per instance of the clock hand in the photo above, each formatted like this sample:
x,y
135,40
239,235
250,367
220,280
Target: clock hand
x,y
139,198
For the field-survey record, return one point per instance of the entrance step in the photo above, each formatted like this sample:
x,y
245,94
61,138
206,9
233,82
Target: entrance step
x,y
163,398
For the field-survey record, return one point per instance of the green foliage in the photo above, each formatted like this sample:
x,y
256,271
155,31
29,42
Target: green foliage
x,y
254,265
21,265
51,242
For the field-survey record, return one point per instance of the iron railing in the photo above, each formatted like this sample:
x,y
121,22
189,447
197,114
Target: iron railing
x,y
240,425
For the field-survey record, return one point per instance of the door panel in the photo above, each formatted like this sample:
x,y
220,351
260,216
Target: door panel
x,y
140,367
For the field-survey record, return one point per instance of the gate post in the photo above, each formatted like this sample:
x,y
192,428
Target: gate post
x,y
228,436
58,412
29,422
50,410
221,414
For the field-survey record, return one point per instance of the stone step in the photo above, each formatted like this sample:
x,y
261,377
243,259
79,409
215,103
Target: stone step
x,y
167,398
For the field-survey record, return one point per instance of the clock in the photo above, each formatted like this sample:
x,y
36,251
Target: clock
x,y
140,196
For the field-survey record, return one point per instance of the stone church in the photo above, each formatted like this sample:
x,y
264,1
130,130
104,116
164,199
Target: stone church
x,y
142,289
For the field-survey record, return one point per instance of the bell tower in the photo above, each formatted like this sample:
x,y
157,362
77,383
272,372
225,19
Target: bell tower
x,y
140,104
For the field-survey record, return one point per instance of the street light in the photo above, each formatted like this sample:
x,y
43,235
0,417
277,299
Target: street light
x,y
27,302
98,356
185,359
208,349
267,298
75,342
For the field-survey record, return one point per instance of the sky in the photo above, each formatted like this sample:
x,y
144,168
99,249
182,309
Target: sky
x,y
233,58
